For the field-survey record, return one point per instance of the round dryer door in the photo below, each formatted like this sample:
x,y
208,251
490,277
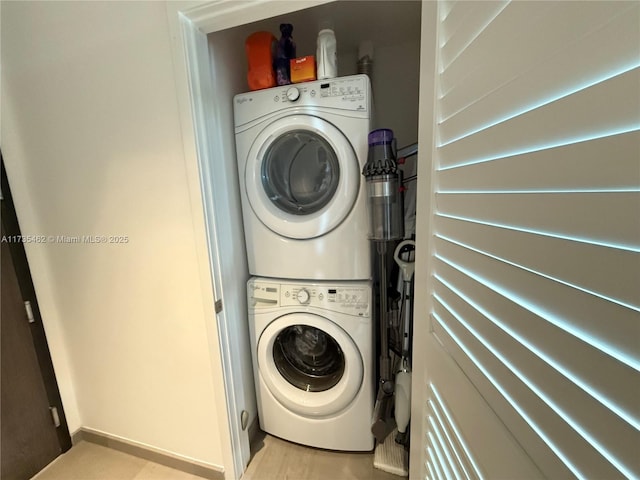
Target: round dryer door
x,y
302,177
310,364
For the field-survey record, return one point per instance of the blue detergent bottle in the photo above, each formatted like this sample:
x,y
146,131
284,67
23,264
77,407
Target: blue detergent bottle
x,y
286,52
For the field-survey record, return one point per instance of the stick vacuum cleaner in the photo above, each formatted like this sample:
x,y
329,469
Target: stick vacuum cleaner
x,y
386,224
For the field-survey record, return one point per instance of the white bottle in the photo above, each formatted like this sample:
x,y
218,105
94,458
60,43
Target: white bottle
x,y
326,55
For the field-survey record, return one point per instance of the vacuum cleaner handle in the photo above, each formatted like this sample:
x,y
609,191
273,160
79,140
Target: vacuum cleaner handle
x,y
406,267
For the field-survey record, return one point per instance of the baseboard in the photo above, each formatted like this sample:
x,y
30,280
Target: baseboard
x,y
148,453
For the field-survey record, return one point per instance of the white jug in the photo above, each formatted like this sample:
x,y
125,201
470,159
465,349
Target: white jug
x,y
326,55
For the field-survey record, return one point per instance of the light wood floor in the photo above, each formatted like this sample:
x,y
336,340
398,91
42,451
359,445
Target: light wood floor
x,y
88,461
273,459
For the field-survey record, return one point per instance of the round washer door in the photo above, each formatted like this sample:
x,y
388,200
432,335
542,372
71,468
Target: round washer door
x,y
302,177
309,364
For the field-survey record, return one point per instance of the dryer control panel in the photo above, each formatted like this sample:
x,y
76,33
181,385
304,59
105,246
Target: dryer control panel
x,y
353,298
348,95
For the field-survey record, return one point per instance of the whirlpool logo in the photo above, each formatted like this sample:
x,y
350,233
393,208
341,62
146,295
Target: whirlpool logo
x,y
242,100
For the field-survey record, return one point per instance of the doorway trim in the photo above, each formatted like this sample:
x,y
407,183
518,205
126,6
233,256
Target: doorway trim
x,y
189,25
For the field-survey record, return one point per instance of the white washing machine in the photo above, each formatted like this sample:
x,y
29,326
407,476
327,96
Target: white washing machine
x,y
300,150
312,349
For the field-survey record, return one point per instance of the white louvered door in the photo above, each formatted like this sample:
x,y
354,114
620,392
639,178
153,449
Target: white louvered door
x,y
527,315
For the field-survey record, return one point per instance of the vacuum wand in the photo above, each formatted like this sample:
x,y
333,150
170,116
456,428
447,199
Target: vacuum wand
x,y
381,427
385,361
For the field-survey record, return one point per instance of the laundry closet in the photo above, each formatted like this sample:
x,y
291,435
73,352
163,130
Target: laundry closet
x,y
393,30
392,27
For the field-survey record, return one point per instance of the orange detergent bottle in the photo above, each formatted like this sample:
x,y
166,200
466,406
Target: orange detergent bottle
x,y
261,49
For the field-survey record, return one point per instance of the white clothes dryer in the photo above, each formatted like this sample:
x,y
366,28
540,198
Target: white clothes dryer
x,y
312,349
300,150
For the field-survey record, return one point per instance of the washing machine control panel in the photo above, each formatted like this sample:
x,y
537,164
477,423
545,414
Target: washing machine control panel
x,y
353,300
343,298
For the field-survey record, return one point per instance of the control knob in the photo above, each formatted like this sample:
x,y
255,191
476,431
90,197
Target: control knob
x,y
293,94
303,296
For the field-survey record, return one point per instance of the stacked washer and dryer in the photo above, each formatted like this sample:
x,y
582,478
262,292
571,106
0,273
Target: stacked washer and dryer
x,y
300,151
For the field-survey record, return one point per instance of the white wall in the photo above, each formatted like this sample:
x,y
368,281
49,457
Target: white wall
x,y
91,138
228,79
396,83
